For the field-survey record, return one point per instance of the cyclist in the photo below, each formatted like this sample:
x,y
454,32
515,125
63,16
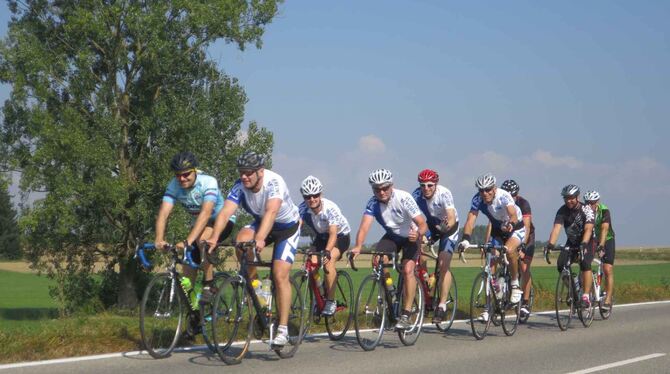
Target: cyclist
x,y
404,224
265,196
332,232
199,194
605,240
527,248
578,220
437,204
506,226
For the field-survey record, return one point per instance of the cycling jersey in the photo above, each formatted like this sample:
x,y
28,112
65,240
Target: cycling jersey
x,y
574,221
435,208
204,189
396,215
329,215
603,216
497,210
273,187
524,205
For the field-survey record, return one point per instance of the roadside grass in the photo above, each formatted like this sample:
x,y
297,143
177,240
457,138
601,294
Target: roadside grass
x,y
30,331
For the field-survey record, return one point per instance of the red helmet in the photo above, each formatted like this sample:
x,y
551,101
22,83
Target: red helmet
x,y
428,175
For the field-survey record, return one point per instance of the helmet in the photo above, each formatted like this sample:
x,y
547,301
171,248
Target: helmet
x,y
380,176
570,190
510,186
311,186
183,161
591,196
428,175
485,181
250,160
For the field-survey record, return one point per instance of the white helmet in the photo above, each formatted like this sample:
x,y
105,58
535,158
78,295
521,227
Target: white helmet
x,y
485,181
591,196
380,176
311,186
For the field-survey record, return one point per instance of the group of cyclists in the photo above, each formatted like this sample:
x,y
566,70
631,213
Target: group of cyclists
x,y
428,213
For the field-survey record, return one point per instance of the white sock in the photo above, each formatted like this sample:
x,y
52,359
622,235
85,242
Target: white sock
x,y
282,329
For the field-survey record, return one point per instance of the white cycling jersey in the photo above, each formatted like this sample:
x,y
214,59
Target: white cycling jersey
x,y
330,214
396,215
435,208
497,210
273,187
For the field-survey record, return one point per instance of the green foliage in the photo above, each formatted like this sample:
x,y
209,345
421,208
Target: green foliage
x,y
9,229
103,94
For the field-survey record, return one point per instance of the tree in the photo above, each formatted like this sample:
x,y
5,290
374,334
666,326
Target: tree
x,y
9,230
103,94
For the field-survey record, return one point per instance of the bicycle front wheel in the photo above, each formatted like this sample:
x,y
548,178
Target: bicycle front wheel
x,y
338,324
409,336
161,315
509,313
370,313
564,298
297,320
481,311
206,310
586,313
231,321
301,281
452,304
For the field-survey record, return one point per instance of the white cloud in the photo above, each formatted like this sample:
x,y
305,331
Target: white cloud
x,y
545,158
371,144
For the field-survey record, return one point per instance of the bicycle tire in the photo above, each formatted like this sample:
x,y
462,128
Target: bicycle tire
x,y
162,299
370,313
231,316
411,335
480,301
338,324
452,304
303,290
206,312
509,313
586,314
297,319
564,297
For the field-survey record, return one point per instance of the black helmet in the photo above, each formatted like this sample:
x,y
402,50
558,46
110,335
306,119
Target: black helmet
x,y
570,190
510,186
183,161
250,160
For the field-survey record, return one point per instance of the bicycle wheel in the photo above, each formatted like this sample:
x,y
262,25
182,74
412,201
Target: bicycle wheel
x,y
231,320
206,311
564,298
161,315
531,300
297,320
509,313
370,313
410,335
605,314
303,290
452,304
338,324
586,313
480,303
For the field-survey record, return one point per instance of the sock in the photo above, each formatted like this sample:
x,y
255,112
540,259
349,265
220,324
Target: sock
x,y
282,329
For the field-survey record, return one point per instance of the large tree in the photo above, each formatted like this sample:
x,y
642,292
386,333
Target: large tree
x,y
9,230
103,93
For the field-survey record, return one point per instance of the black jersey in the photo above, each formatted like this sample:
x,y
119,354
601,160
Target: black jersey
x,y
524,205
574,221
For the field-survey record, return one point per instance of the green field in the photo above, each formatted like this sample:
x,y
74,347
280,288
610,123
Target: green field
x,y
30,329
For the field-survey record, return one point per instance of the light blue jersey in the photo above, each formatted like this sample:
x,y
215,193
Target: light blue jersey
x,y
206,188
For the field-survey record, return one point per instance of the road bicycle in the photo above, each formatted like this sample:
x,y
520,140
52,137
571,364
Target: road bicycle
x,y
432,284
239,312
490,295
379,303
170,300
310,284
568,292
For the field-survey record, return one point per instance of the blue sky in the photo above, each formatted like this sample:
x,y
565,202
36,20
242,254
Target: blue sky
x,y
547,94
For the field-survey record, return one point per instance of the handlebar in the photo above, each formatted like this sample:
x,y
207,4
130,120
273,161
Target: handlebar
x,y
139,254
557,248
321,254
488,247
392,255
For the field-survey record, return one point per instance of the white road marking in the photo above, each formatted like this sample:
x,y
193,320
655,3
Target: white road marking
x,y
618,363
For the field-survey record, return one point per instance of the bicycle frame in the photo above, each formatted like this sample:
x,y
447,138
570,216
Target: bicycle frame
x,y
312,269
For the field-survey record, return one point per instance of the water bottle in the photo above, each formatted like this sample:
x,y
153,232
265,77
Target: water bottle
x,y
501,285
186,285
266,288
196,295
431,281
256,284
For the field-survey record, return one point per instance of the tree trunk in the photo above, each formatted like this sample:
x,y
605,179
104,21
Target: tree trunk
x,y
127,298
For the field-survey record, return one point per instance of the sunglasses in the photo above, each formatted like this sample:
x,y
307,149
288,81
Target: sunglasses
x,y
427,185
486,189
315,196
381,189
247,173
184,175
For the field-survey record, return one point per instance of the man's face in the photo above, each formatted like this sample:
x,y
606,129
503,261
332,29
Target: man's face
x,y
186,178
428,189
487,194
250,178
593,204
313,201
571,201
383,192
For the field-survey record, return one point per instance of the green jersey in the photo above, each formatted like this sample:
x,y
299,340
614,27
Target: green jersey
x,y
603,215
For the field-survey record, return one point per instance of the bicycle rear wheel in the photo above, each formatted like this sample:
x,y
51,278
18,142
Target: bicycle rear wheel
x,y
509,313
161,315
564,298
586,313
480,303
206,307
452,304
370,313
231,321
338,324
297,320
410,335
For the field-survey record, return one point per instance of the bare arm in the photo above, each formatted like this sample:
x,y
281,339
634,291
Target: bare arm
x,y
332,237
553,237
588,232
420,221
450,218
470,223
488,232
526,225
604,229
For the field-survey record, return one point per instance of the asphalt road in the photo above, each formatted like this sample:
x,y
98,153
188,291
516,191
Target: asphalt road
x,y
636,339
